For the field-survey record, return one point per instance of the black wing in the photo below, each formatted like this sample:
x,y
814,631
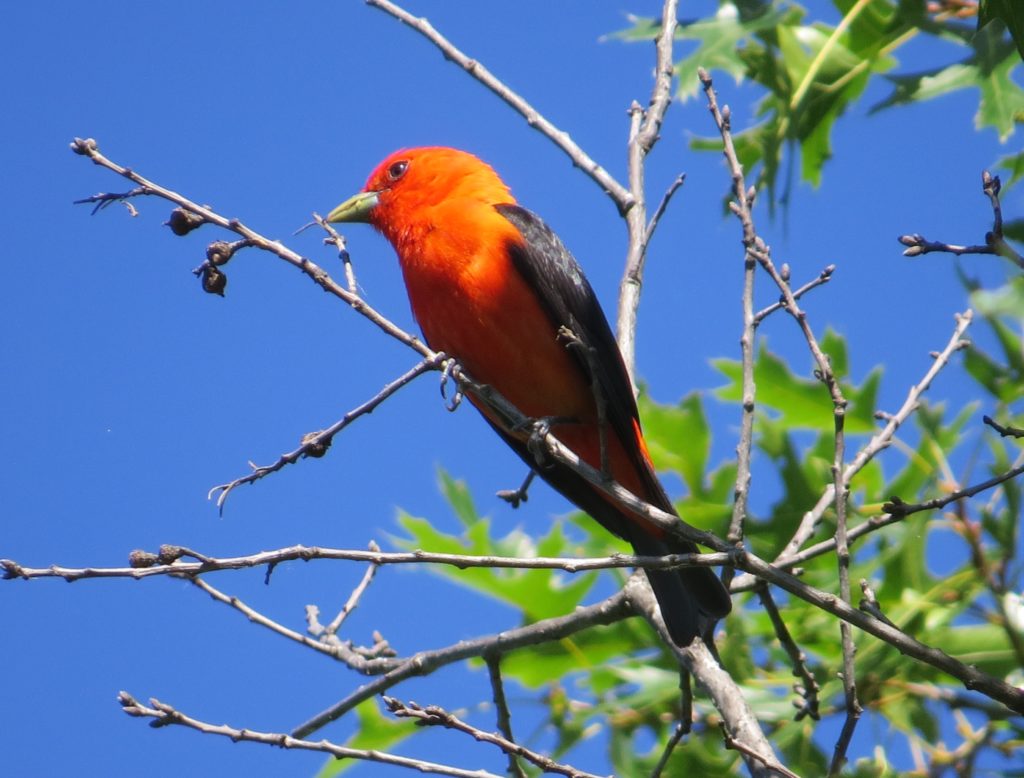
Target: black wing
x,y
567,297
690,598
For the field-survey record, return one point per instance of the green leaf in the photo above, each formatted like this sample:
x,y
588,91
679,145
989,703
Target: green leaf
x,y
458,497
833,344
678,438
800,403
721,38
1010,13
1007,300
1015,164
537,594
536,666
989,68
1002,101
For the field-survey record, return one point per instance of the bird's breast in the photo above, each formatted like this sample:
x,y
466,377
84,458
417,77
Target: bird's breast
x,y
472,303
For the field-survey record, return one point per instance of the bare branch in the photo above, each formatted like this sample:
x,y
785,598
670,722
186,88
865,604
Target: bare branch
x,y
433,715
741,206
725,694
773,767
880,440
1004,431
823,278
88,148
316,444
897,507
972,678
995,242
425,662
357,594
618,193
152,567
808,687
644,126
334,238
504,717
166,715
264,621
652,225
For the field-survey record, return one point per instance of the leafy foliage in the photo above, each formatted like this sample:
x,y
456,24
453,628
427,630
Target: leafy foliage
x,y
808,72
618,682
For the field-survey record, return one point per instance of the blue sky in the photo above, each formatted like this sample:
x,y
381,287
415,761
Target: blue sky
x,y
128,393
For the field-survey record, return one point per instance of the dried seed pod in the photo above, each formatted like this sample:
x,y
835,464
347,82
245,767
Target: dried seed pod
x,y
219,252
316,450
214,281
182,222
139,558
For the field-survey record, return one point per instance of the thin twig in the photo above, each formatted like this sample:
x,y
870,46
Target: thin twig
x,y
775,767
316,443
652,225
725,693
356,596
808,687
502,714
264,621
166,715
822,278
336,239
644,126
741,206
897,507
425,662
675,738
616,191
88,148
849,676
434,715
880,440
1004,431
12,569
995,242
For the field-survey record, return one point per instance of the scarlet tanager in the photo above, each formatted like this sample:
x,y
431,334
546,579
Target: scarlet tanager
x,y
492,286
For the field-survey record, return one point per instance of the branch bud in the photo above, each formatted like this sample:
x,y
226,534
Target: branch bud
x,y
84,146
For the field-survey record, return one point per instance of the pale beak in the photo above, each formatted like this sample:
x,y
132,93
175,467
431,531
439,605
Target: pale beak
x,y
355,209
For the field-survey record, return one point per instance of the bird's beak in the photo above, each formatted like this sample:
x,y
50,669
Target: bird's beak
x,y
355,209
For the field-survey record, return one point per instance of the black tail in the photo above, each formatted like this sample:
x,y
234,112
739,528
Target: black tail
x,y
691,598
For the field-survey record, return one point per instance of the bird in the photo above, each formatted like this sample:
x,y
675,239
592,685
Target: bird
x,y
492,286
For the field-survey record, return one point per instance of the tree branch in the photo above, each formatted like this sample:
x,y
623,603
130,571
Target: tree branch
x,y
425,662
616,191
434,715
644,127
165,715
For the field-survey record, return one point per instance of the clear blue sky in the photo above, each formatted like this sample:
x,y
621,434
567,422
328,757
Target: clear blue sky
x,y
127,393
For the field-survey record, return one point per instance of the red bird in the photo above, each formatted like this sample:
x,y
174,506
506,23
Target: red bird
x,y
492,286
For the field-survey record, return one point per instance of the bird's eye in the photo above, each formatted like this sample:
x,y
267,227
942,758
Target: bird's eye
x,y
397,169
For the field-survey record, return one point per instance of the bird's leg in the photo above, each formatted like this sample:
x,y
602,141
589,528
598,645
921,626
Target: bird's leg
x,y
449,374
538,430
516,496
600,401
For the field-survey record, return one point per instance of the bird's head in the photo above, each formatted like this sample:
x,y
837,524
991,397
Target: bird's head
x,y
409,184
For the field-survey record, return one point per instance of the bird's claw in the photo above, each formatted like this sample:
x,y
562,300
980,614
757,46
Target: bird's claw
x,y
449,373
